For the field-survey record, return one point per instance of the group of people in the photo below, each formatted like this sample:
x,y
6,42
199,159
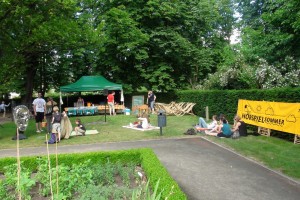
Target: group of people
x,y
220,127
110,102
50,112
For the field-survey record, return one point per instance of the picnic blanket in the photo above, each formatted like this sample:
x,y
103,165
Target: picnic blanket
x,y
87,132
142,129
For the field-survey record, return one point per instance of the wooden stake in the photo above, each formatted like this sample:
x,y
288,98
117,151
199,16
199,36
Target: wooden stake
x,y
19,166
49,166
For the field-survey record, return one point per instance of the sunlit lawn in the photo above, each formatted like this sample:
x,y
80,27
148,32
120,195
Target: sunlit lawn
x,y
109,131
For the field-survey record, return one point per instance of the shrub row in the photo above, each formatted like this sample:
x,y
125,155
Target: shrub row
x,y
145,157
226,101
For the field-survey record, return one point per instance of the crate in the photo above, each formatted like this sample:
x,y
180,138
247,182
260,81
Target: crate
x,y
264,131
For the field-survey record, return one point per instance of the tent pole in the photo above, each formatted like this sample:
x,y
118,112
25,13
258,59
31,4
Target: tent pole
x,y
60,101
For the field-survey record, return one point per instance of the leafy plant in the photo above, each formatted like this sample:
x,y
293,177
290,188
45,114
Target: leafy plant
x,y
71,186
109,173
69,178
144,192
11,185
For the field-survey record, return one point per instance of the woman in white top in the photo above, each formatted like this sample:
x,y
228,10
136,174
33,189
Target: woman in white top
x,y
145,123
203,126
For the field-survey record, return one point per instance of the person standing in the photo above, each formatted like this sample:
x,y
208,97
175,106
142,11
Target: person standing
x,y
39,108
3,107
111,103
56,119
80,102
151,100
49,111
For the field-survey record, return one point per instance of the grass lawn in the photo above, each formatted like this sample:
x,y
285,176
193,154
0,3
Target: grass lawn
x,y
278,154
275,153
110,131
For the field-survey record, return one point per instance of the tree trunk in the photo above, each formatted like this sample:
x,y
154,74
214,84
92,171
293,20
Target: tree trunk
x,y
32,65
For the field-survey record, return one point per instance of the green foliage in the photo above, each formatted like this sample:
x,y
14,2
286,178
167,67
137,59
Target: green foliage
x,y
76,170
69,178
13,187
36,37
159,44
270,29
226,101
145,193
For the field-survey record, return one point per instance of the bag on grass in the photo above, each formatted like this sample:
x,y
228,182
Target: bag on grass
x,y
190,131
52,139
235,135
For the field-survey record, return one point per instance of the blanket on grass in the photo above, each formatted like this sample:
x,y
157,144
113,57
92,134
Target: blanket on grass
x,y
142,129
87,132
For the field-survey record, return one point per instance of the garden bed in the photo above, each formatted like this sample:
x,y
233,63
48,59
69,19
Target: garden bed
x,y
109,175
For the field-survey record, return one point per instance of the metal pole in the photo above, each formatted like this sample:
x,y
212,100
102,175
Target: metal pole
x,y
160,131
105,113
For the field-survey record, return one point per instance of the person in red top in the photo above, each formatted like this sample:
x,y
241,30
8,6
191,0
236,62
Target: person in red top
x,y
111,103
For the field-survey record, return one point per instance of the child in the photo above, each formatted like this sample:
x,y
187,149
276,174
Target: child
x,y
80,127
56,119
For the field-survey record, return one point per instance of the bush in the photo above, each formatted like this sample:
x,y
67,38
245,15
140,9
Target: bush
x,y
226,101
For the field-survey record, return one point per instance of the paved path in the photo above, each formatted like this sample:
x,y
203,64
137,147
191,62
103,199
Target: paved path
x,y
202,169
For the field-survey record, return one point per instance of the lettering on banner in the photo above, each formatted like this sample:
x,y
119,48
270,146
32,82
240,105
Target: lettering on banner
x,y
261,119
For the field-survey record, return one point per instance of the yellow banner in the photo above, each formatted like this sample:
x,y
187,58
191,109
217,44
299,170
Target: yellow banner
x,y
273,115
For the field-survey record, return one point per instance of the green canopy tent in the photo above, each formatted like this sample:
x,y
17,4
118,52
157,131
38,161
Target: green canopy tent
x,y
90,84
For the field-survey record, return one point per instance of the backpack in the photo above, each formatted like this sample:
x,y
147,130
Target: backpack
x,y
235,135
190,131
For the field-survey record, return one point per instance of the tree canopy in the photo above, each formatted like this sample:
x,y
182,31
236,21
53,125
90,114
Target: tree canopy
x,y
157,44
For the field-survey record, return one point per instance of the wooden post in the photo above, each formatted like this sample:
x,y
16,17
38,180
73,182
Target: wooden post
x,y
206,113
297,139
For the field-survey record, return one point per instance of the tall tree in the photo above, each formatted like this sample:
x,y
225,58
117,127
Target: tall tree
x,y
270,29
182,43
35,36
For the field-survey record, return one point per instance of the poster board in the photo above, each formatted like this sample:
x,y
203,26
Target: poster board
x,y
137,101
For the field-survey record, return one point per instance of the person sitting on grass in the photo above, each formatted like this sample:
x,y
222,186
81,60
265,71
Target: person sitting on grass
x,y
240,126
143,122
203,126
223,130
80,128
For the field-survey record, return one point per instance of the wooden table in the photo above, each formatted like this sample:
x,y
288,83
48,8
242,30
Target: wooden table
x,y
118,108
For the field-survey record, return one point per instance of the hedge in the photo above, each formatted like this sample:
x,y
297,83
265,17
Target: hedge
x,y
145,157
226,101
